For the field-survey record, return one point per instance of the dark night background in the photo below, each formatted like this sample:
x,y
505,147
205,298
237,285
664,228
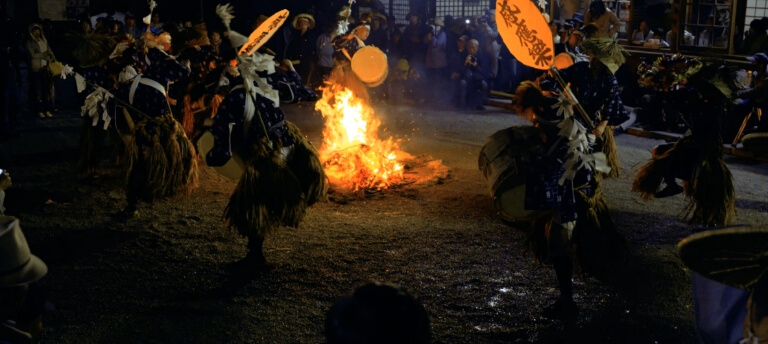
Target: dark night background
x,y
246,11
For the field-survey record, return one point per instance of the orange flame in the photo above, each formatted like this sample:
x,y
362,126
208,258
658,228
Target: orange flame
x,y
352,152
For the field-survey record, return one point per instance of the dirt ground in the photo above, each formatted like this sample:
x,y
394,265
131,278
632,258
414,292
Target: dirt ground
x,y
162,278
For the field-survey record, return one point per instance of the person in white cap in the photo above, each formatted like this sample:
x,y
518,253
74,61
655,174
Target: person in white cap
x,y
19,269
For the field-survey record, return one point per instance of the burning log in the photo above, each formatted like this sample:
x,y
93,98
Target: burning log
x,y
351,152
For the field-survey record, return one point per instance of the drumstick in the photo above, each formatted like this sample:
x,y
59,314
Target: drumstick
x,y
572,97
741,129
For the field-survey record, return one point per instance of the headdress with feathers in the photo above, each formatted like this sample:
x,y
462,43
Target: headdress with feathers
x,y
148,19
225,12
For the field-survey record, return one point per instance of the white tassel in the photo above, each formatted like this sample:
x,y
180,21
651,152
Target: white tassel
x,y
127,74
80,82
225,13
247,66
264,63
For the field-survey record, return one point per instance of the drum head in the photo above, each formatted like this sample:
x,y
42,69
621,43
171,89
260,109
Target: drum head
x,y
233,169
370,65
380,81
563,60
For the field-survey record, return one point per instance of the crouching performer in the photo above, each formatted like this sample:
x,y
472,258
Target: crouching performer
x,y
160,159
282,171
699,92
563,187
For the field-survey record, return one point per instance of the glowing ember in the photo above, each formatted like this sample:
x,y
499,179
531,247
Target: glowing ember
x,y
352,152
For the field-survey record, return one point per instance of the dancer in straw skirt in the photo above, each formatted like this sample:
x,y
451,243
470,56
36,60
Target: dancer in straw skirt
x,y
92,52
699,92
160,159
563,182
282,175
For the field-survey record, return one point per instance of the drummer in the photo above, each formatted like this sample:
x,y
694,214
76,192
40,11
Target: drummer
x,y
346,46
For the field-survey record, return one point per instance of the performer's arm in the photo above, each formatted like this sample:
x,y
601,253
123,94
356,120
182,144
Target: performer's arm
x,y
225,120
600,128
614,21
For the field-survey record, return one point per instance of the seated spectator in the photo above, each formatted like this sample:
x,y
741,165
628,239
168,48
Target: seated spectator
x,y
131,27
572,45
658,35
755,96
756,40
378,313
456,65
21,299
642,34
473,89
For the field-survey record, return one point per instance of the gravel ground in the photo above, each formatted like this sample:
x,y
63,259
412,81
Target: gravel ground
x,y
162,278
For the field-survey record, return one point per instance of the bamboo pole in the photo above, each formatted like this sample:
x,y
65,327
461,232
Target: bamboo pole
x,y
568,93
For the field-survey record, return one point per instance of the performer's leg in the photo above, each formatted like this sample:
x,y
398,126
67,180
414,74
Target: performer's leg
x,y
254,258
671,188
564,272
557,244
255,255
134,191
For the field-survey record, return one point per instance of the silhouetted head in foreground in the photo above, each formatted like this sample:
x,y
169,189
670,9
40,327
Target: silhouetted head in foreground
x,y
377,313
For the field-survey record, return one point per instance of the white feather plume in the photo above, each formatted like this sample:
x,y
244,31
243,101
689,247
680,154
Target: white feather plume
x,y
225,12
542,4
152,5
342,28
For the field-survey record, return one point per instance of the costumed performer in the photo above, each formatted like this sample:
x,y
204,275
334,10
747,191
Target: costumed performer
x,y
700,93
160,159
595,86
345,47
92,52
283,174
563,182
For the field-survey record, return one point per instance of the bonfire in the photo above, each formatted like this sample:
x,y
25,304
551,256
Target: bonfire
x,y
351,152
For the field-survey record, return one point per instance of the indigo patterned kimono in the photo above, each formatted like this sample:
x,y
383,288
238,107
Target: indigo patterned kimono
x,y
543,190
229,134
598,93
